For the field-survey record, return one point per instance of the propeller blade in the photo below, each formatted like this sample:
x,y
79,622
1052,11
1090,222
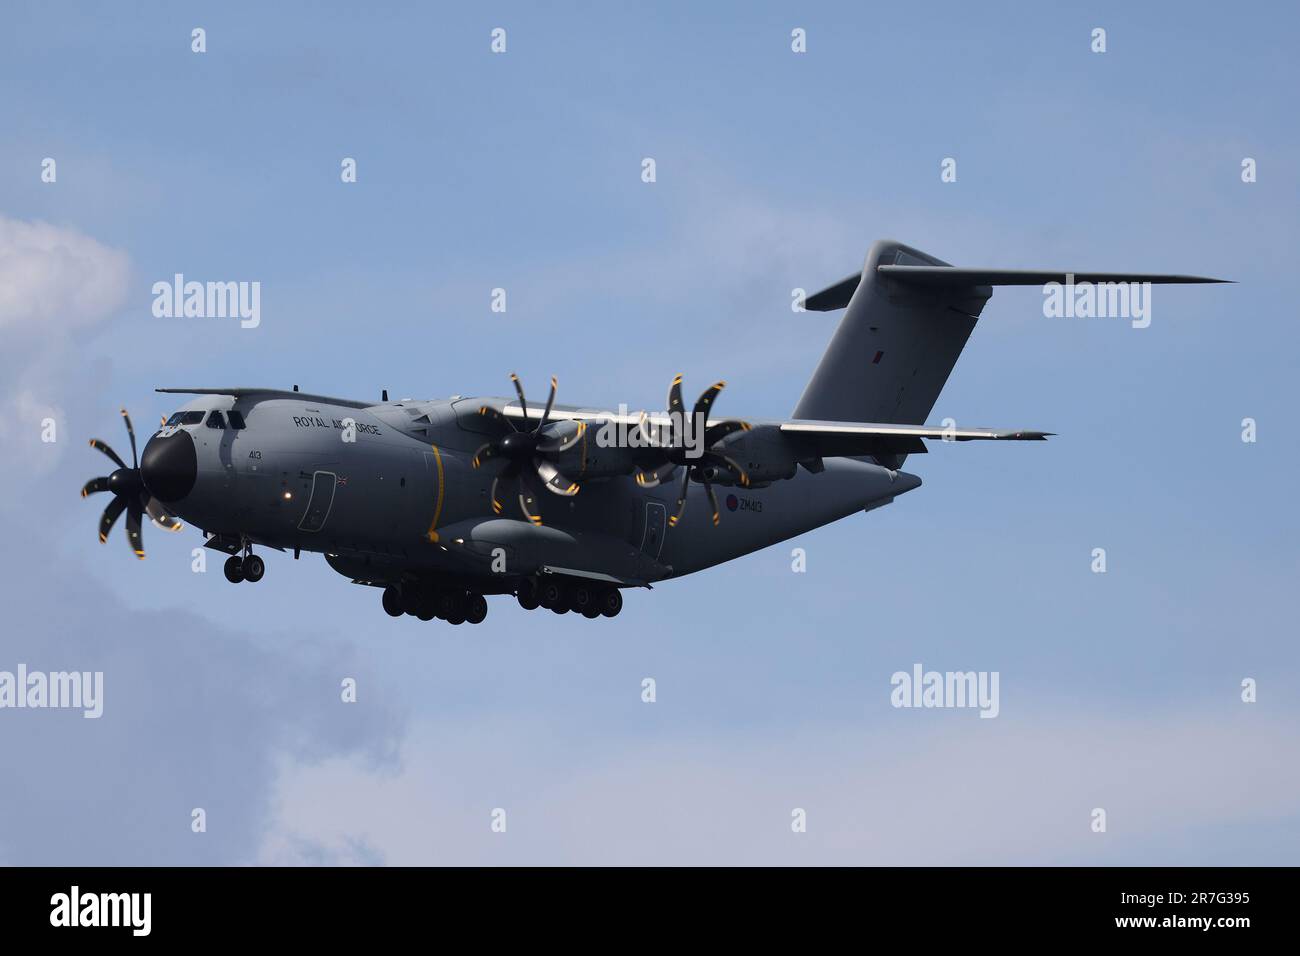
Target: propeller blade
x,y
493,415
158,514
133,513
649,479
96,443
94,486
519,390
509,472
675,403
681,499
109,517
486,452
550,402
556,482
713,502
705,401
716,433
496,502
700,414
562,443
528,505
647,436
135,461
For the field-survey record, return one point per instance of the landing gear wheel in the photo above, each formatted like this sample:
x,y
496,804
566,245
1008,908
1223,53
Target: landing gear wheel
x,y
591,612
393,601
254,568
457,608
476,609
611,602
234,569
444,604
528,596
425,612
552,596
580,598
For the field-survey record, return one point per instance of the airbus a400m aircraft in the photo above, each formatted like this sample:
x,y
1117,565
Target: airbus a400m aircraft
x,y
442,502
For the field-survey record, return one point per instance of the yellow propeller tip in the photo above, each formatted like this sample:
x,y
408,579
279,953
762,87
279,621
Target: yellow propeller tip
x,y
103,538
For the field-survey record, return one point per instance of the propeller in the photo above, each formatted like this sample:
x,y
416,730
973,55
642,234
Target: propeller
x,y
521,448
129,495
676,451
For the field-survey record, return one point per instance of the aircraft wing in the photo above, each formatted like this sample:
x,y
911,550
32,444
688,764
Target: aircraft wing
x,y
261,394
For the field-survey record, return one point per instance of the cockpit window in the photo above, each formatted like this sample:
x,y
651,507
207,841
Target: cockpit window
x,y
215,420
185,418
236,419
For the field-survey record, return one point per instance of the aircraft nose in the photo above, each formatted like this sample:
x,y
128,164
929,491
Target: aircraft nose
x,y
169,466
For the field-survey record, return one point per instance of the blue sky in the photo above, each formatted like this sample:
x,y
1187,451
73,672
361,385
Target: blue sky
x,y
774,171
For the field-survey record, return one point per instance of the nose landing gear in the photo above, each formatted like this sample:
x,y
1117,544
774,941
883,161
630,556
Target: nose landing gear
x,y
247,567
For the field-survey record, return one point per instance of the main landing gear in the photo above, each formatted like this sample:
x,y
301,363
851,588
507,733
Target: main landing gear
x,y
451,605
247,567
589,600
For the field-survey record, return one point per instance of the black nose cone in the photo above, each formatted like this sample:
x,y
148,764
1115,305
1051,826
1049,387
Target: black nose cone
x,y
169,466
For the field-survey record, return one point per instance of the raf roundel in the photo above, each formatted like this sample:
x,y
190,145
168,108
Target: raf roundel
x,y
732,502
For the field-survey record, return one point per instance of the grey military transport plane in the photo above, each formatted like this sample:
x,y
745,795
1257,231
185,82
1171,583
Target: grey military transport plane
x,y
441,502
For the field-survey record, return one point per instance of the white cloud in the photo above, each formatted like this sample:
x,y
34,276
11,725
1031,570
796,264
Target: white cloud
x,y
950,791
23,419
53,281
57,277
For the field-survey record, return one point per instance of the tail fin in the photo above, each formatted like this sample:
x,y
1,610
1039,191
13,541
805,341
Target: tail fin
x,y
909,316
895,346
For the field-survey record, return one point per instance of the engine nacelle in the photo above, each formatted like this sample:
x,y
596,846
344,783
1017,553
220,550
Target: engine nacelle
x,y
763,452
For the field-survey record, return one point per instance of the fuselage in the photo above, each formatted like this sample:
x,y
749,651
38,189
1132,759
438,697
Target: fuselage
x,y
388,491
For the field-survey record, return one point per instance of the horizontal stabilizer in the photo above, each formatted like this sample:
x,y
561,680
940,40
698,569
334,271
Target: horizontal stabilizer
x,y
837,296
953,276
840,439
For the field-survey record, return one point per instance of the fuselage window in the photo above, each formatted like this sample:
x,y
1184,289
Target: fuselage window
x,y
215,420
236,419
